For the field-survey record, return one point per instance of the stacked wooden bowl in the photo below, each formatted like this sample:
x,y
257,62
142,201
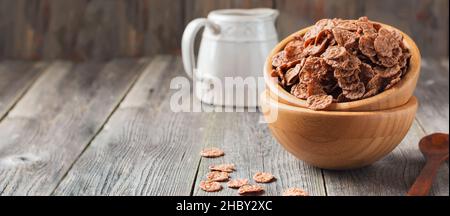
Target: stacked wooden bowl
x,y
346,135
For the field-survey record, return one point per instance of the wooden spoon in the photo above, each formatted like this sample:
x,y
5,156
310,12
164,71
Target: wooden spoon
x,y
435,149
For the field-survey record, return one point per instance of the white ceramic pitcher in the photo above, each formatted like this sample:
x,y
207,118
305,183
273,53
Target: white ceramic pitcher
x,y
234,44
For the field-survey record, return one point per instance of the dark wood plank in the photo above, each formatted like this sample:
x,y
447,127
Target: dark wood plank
x,y
97,29
295,15
103,29
145,148
391,176
201,8
57,118
425,21
249,145
16,78
433,94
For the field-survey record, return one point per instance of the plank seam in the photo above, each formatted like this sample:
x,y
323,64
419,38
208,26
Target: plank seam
x,y
133,82
421,127
195,177
324,182
26,89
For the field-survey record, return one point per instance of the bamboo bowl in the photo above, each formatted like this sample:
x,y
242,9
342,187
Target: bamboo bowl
x,y
337,139
393,97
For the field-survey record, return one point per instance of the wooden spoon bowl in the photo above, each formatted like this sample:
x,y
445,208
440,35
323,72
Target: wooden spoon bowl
x,y
435,145
393,97
435,149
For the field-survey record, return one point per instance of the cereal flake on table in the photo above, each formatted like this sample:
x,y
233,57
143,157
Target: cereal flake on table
x,y
223,167
294,192
263,177
250,189
218,176
210,186
212,152
237,183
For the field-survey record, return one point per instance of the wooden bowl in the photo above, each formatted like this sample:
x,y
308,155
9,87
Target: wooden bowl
x,y
337,139
393,97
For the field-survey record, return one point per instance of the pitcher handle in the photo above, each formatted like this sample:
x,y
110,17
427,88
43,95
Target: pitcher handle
x,y
188,39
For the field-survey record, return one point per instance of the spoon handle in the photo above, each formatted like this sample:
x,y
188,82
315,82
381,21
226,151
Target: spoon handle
x,y
422,185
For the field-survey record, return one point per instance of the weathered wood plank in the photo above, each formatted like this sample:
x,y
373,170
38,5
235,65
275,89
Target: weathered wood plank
x,y
393,175
102,29
81,30
425,21
16,78
57,118
249,145
145,148
433,94
201,8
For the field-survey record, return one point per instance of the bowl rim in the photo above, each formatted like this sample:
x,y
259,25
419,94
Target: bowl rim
x,y
273,84
266,99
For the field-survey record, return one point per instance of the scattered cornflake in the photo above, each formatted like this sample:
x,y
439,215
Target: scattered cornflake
x,y
295,192
212,152
223,167
210,186
263,177
217,176
250,189
237,183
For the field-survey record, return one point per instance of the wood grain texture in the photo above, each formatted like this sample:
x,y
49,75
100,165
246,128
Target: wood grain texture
x,y
433,94
201,8
52,124
145,148
16,78
82,29
103,29
249,145
391,176
425,20
295,15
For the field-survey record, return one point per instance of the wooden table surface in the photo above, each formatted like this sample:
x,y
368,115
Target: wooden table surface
x,y
107,129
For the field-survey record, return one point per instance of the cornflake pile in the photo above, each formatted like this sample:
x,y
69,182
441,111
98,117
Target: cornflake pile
x,y
340,61
221,173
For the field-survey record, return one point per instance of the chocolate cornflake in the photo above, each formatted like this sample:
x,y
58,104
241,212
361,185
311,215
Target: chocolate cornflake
x,y
355,93
387,72
279,59
294,192
217,176
366,45
250,189
212,152
300,90
341,61
291,75
237,183
319,102
344,37
263,177
223,167
210,186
